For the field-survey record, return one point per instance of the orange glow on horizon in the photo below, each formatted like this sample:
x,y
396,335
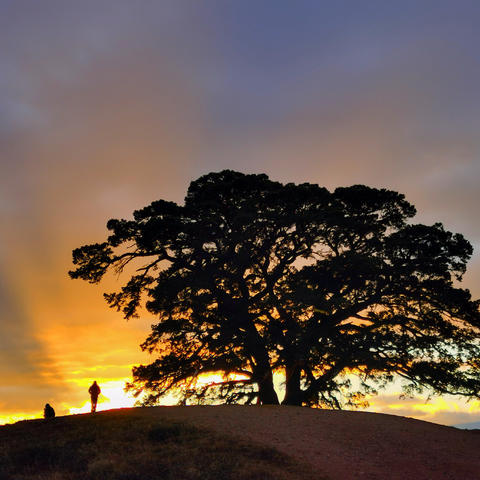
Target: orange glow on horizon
x,y
112,396
17,417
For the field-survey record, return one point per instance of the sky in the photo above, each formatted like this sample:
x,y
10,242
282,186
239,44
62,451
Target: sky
x,y
107,105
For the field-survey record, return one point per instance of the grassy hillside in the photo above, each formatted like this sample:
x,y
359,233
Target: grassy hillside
x,y
128,445
234,442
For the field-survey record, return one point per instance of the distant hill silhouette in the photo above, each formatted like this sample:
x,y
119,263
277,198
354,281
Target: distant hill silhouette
x,y
470,426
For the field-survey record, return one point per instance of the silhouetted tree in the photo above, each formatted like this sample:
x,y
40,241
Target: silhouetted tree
x,y
336,290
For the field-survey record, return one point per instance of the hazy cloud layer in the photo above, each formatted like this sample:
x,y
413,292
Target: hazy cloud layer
x,y
108,105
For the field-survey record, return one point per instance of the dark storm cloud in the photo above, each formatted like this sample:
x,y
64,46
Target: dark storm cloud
x,y
108,105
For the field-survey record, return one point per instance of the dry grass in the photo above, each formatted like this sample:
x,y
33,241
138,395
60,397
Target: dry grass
x,y
120,445
342,445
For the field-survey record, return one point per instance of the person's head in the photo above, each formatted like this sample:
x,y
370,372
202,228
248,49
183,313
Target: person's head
x,y
95,382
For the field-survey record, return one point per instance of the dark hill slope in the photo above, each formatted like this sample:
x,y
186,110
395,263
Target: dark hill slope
x,y
161,443
347,445
136,444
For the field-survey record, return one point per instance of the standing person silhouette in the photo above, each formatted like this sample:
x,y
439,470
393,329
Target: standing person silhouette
x,y
94,392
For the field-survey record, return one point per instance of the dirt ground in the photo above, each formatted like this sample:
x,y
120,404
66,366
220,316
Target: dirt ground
x,y
346,445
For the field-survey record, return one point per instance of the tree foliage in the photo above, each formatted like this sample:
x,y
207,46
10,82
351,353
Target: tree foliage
x,y
334,289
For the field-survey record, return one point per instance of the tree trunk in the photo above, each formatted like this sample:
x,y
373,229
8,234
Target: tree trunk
x,y
293,393
262,370
266,391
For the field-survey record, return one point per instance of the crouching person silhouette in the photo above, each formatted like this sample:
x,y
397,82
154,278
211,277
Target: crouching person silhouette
x,y
48,411
94,392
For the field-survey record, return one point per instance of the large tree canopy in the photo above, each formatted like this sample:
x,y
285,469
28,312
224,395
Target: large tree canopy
x,y
335,290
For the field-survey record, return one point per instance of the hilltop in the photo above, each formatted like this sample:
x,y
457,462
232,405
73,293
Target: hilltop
x,y
236,443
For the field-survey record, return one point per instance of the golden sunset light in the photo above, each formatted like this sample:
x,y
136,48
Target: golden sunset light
x,y
112,396
107,107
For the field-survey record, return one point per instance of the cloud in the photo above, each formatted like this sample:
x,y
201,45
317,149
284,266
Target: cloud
x,y
17,346
28,376
446,410
95,125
